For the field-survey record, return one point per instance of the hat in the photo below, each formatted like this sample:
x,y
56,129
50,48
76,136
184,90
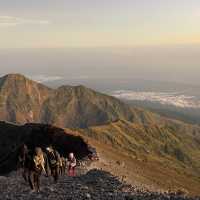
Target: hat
x,y
71,155
48,148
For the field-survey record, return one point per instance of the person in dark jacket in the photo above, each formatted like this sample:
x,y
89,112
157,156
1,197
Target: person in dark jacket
x,y
22,161
63,162
54,162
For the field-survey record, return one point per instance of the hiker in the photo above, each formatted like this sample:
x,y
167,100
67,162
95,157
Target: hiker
x,y
64,161
22,161
36,167
71,164
54,162
62,165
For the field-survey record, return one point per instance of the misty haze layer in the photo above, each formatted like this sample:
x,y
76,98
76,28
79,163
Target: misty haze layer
x,y
170,63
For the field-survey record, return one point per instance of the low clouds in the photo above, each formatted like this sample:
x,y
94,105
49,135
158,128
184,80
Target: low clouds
x,y
175,99
9,21
44,78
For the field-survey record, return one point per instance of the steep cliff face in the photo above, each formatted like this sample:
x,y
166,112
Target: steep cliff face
x,y
21,99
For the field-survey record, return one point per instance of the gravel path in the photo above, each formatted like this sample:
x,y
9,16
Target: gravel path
x,y
95,185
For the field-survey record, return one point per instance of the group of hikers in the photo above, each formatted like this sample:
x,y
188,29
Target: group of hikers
x,y
45,161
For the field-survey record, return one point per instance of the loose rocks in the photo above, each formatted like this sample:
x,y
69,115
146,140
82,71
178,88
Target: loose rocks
x,y
95,185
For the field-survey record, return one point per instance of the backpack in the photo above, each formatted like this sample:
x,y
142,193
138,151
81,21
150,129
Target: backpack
x,y
53,158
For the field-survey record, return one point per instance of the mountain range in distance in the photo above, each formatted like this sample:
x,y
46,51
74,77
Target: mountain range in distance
x,y
156,146
175,100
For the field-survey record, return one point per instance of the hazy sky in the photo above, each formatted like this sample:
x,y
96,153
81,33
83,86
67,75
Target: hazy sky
x,y
50,23
150,39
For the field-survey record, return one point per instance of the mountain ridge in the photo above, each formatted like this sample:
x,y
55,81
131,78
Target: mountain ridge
x,y
23,100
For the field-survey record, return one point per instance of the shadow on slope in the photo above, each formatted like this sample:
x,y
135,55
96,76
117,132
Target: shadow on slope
x,y
12,137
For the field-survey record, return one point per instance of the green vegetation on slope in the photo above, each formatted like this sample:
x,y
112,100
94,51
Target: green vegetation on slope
x,y
170,143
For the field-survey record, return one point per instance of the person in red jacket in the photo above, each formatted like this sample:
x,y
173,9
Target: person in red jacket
x,y
71,164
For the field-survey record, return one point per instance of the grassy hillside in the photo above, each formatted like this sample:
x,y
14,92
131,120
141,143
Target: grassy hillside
x,y
188,115
166,155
